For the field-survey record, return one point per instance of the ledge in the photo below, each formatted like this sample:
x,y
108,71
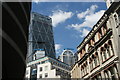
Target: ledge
x,y
94,68
108,59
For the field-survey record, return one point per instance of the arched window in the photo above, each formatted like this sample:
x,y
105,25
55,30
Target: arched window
x,y
93,62
90,63
106,75
99,34
83,51
97,58
112,73
107,51
110,47
82,71
92,41
103,54
116,72
84,68
99,77
104,28
109,74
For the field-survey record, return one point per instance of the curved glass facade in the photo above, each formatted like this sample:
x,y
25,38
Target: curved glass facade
x,y
67,57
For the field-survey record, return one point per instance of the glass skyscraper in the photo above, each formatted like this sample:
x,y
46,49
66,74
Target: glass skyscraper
x,y
40,36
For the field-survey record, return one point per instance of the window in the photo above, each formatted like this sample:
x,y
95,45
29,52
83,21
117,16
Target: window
x,y
99,34
95,60
116,72
46,68
112,73
34,71
26,72
96,37
92,41
46,74
107,51
110,47
106,75
90,62
40,76
83,51
86,67
40,68
34,57
103,54
99,77
81,71
42,62
104,28
116,19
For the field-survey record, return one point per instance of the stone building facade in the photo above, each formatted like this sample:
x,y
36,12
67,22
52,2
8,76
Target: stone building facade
x,y
75,72
98,53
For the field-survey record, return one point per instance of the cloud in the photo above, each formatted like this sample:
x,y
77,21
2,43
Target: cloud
x,y
36,1
58,48
60,17
84,32
89,17
89,20
89,11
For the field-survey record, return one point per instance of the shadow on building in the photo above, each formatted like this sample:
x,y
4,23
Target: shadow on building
x,y
15,22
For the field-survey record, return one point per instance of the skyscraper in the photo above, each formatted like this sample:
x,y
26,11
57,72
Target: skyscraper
x,y
40,36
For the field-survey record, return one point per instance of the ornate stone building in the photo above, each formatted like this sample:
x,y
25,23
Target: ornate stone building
x,y
98,53
75,72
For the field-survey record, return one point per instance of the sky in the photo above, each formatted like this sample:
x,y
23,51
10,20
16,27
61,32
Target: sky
x,y
71,21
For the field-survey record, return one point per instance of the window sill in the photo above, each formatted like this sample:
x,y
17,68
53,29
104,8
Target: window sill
x,y
84,75
107,59
94,68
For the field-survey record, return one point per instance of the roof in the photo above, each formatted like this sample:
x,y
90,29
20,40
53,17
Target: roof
x,y
67,52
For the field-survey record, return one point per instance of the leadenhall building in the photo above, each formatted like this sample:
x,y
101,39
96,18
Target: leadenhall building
x,y
99,52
